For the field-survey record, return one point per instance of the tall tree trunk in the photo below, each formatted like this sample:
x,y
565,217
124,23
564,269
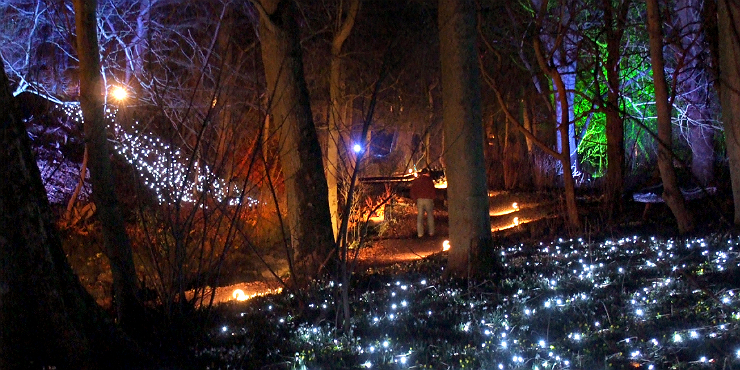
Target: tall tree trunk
x,y
309,218
469,220
701,140
563,115
566,114
48,320
671,193
140,44
563,46
728,16
334,137
337,108
693,88
614,24
116,242
564,130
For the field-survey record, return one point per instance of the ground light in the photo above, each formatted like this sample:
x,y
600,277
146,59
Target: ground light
x,y
446,245
498,211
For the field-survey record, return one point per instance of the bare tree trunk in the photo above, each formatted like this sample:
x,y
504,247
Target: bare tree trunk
x,y
564,154
614,24
563,126
48,320
117,245
337,108
563,46
570,191
334,137
528,125
671,193
566,114
694,89
140,43
309,218
728,14
701,140
469,220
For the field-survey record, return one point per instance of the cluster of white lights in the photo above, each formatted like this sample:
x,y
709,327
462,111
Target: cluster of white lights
x,y
541,324
165,169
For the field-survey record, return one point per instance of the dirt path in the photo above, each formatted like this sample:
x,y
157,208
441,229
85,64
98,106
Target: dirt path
x,y
398,241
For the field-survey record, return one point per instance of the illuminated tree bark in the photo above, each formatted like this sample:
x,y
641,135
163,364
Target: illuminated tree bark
x,y
671,193
309,218
116,241
728,16
469,220
563,131
48,320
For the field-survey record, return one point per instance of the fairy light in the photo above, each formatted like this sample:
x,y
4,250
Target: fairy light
x,y
163,167
567,277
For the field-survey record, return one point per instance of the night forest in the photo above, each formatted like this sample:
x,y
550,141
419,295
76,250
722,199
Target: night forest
x,y
224,184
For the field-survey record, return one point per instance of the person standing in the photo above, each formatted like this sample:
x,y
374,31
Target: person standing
x,y
423,193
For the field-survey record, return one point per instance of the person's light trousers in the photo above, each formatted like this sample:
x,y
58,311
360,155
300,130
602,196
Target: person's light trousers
x,y
424,206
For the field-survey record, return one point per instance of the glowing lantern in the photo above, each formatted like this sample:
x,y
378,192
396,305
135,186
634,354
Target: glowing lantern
x,y
119,93
516,221
446,245
515,206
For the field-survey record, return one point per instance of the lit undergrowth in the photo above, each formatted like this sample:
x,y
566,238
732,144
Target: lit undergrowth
x,y
630,303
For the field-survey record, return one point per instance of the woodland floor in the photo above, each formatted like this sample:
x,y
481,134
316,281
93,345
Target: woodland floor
x,y
539,217
629,294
